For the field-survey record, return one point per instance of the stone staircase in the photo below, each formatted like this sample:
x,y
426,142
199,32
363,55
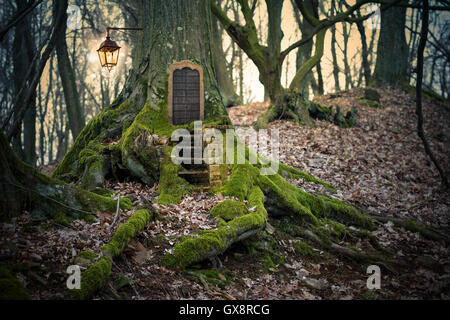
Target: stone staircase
x,y
198,172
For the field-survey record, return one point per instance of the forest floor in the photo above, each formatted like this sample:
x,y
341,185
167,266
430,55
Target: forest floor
x,y
379,164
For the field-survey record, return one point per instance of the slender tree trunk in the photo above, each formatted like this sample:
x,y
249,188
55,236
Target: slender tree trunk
x,y
23,54
420,132
67,74
320,89
305,51
365,66
337,86
347,71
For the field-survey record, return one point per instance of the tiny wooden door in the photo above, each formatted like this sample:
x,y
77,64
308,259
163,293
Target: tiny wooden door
x,y
186,96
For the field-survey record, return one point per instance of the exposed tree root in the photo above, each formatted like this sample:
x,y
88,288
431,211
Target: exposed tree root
x,y
300,111
272,194
140,148
98,273
415,226
23,187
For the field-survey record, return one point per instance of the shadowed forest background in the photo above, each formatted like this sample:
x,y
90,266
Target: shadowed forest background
x,y
358,90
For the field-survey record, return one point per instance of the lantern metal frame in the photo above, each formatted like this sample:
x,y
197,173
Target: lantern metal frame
x,y
110,46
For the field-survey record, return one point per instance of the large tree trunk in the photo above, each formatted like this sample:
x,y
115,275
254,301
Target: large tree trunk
x,y
392,52
188,35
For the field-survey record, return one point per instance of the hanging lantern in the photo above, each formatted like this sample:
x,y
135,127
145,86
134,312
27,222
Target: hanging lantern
x,y
108,53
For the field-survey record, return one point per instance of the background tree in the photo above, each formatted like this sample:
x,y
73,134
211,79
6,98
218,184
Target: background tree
x,y
420,132
304,52
224,79
269,59
392,51
23,56
67,74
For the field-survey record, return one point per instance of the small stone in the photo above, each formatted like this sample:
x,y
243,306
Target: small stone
x,y
36,257
318,284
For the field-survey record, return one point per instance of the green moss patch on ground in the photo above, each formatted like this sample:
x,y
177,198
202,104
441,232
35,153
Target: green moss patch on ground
x,y
10,287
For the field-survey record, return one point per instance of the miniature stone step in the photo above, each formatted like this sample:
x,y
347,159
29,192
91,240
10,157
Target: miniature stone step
x,y
195,177
190,160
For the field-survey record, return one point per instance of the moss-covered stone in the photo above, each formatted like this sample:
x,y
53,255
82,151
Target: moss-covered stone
x,y
374,104
347,121
317,111
94,202
371,94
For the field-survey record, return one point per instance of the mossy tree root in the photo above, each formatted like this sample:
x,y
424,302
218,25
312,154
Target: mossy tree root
x,y
416,226
266,194
211,243
24,187
95,277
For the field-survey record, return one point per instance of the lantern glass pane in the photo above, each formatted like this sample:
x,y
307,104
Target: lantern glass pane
x,y
102,57
116,56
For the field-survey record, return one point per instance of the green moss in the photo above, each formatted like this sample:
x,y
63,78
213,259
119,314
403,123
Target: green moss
x,y
94,202
213,277
93,164
318,111
10,287
85,258
98,273
305,250
87,255
346,214
268,264
120,282
193,250
103,192
93,278
347,121
240,181
229,209
91,137
294,173
431,94
373,104
127,231
427,93
60,218
171,187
